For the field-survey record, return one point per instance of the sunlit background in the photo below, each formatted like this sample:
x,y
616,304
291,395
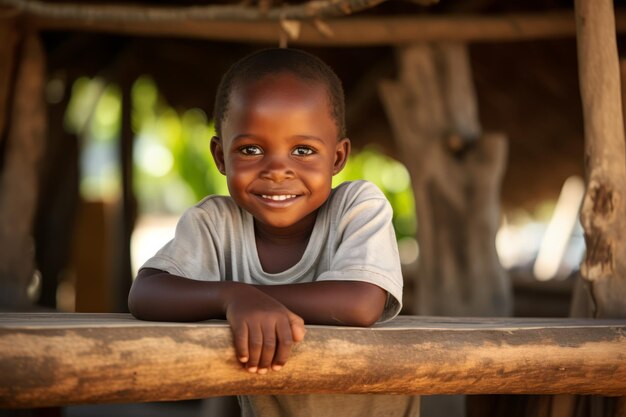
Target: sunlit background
x,y
173,169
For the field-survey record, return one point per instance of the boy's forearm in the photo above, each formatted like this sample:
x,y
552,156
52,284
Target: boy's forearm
x,y
346,303
157,295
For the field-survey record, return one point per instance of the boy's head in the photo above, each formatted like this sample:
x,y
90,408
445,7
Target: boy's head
x,y
279,120
268,62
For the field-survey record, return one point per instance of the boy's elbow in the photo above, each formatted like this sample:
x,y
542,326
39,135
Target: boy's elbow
x,y
370,306
134,303
364,319
138,301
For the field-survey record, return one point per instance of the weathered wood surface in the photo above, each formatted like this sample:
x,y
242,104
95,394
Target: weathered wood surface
x,y
57,359
19,178
456,173
333,32
311,9
603,214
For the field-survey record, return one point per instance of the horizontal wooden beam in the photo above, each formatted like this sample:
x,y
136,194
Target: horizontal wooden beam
x,y
60,359
352,31
310,9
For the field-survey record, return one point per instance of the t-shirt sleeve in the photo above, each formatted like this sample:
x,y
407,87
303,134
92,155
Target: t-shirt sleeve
x,y
367,249
192,252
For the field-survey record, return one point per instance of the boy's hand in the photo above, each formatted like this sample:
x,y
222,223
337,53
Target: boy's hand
x,y
264,330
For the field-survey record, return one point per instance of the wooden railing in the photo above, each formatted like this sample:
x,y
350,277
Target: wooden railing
x,y
63,358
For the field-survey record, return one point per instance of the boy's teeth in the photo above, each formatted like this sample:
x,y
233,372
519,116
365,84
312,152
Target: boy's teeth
x,y
278,197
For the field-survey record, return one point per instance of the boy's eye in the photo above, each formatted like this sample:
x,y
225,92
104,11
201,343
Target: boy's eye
x,y
250,150
302,151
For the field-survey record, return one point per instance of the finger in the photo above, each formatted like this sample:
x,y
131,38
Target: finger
x,y
297,327
240,339
269,347
255,345
284,344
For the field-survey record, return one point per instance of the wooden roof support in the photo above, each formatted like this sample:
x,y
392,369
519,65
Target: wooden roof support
x,y
456,173
8,57
19,179
353,31
60,359
312,9
604,207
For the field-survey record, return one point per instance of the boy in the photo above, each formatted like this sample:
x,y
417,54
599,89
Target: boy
x,y
284,249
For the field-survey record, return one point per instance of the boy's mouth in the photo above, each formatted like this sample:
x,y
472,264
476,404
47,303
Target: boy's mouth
x,y
279,197
278,200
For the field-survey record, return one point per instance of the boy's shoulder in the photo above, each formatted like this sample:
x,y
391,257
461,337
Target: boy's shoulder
x,y
216,207
356,191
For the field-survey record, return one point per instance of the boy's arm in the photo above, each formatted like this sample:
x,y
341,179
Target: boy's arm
x,y
263,329
347,303
159,296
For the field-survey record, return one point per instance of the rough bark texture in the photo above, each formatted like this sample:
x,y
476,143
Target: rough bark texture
x,y
115,12
604,210
19,176
56,359
456,174
345,32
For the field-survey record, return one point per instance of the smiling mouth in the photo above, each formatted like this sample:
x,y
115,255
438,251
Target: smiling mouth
x,y
281,197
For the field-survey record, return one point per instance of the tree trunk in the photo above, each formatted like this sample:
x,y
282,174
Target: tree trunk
x,y
19,177
456,173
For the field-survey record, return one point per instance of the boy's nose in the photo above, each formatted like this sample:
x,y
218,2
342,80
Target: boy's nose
x,y
276,169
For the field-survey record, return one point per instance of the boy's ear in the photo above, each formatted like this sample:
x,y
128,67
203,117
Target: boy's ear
x,y
217,150
342,151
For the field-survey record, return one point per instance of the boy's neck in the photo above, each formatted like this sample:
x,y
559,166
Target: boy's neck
x,y
281,248
295,234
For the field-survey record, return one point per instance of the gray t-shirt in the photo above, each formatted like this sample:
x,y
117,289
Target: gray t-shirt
x,y
352,240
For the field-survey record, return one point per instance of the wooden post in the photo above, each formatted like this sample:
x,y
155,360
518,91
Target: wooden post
x,y
58,202
8,57
126,210
19,176
603,214
456,173
604,208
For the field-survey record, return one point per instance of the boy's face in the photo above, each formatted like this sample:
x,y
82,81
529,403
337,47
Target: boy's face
x,y
279,149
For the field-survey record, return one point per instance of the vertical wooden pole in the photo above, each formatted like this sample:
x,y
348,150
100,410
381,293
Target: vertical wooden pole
x,y
603,214
125,217
456,173
8,58
19,176
604,209
58,202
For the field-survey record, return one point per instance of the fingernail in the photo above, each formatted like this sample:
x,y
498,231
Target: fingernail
x,y
277,367
243,359
252,369
263,371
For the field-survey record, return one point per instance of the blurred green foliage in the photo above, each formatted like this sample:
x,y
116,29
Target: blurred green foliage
x,y
391,177
172,160
94,115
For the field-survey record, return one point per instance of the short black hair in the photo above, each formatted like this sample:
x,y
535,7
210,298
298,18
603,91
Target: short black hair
x,y
302,64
